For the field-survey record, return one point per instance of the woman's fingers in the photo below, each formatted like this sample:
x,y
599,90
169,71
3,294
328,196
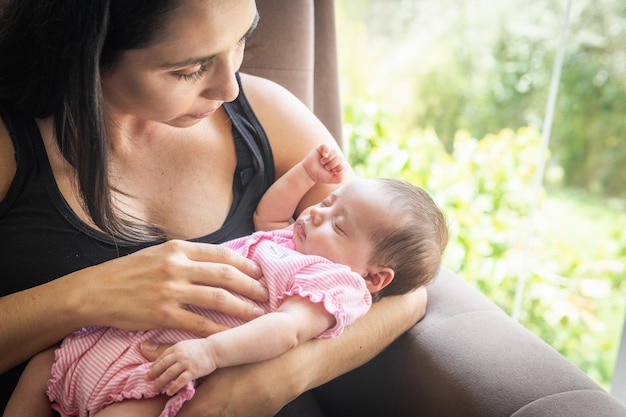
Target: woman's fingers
x,y
214,274
188,321
152,288
220,254
221,300
220,267
151,350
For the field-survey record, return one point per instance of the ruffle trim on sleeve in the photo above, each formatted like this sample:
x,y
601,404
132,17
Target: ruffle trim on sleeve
x,y
331,304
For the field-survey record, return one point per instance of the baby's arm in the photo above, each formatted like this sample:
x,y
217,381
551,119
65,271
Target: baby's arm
x,y
297,320
322,165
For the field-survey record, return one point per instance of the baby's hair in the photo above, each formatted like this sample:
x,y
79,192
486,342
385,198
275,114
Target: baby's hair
x,y
413,249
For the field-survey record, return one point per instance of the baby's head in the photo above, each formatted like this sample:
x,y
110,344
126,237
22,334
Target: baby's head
x,y
387,230
413,244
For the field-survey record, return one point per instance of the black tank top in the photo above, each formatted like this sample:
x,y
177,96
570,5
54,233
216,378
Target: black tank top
x,y
42,239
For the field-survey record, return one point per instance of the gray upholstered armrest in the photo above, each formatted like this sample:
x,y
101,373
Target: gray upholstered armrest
x,y
467,358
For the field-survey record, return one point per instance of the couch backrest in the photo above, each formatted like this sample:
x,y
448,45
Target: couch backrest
x,y
295,46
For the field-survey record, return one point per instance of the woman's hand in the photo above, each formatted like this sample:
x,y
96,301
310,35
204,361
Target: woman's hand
x,y
151,288
145,290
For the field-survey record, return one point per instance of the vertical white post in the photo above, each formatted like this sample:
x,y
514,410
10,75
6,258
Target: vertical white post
x,y
541,163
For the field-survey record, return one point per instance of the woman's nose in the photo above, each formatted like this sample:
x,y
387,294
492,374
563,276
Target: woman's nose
x,y
222,84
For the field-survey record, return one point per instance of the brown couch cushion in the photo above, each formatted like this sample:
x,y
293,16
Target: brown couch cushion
x,y
295,46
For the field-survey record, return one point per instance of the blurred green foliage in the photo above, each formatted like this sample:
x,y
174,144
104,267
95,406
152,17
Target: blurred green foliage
x,y
485,65
574,299
451,95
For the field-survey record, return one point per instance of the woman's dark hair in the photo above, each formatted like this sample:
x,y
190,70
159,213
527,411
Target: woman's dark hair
x,y
53,55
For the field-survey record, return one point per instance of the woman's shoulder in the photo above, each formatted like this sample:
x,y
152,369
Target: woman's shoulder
x,y
287,121
264,93
291,127
8,164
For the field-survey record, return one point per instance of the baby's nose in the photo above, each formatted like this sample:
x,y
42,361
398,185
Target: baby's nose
x,y
317,216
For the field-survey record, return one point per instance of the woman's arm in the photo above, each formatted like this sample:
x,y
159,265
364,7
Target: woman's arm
x,y
262,389
296,321
168,277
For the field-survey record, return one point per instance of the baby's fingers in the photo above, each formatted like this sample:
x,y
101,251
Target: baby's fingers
x,y
176,375
333,161
163,370
178,384
335,166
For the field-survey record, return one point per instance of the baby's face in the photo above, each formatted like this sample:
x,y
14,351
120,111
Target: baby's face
x,y
339,227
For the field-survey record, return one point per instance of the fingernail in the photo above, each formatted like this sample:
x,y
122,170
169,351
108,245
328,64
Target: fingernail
x,y
149,346
258,311
265,294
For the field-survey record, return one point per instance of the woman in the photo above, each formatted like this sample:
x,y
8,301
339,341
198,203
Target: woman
x,y
124,124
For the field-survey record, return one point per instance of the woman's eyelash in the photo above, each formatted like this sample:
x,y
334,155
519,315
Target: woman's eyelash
x,y
243,40
194,75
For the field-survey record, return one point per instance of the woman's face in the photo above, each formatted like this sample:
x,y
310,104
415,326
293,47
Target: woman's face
x,y
190,72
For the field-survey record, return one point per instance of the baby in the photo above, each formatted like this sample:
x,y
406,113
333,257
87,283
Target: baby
x,y
368,239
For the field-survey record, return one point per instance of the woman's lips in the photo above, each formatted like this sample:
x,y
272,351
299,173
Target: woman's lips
x,y
203,115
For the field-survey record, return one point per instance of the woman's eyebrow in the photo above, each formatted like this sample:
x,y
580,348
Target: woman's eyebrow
x,y
186,63
205,59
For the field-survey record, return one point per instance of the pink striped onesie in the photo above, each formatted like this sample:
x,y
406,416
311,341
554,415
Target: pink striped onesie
x,y
98,366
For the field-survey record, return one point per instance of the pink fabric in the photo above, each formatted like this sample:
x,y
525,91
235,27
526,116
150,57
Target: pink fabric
x,y
98,366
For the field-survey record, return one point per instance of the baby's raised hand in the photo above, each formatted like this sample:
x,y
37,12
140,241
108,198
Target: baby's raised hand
x,y
325,165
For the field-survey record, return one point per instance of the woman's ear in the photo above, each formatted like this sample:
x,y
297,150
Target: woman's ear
x,y
378,278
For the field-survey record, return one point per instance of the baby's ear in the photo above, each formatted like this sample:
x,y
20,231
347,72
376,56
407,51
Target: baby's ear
x,y
378,278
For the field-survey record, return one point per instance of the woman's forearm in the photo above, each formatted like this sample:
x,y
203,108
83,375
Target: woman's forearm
x,y
320,361
262,389
33,320
107,294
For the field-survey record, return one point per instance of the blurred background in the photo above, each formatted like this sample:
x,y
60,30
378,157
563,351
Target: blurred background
x,y
452,96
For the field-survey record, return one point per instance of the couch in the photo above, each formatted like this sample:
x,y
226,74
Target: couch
x,y
466,358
